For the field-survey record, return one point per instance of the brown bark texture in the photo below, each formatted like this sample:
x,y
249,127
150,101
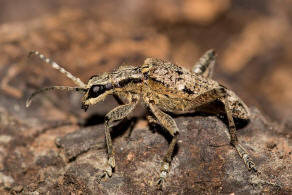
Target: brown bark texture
x,y
53,147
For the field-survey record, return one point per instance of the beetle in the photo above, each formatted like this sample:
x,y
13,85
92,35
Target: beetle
x,y
164,88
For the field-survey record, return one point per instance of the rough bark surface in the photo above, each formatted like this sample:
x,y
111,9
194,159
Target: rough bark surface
x,y
55,147
56,161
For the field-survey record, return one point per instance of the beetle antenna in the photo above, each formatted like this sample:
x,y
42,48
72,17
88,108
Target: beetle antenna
x,y
76,80
28,102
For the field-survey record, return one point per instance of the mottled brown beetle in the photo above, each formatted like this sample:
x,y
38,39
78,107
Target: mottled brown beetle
x,y
163,87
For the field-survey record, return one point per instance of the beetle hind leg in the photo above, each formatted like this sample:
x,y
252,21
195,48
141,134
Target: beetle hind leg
x,y
221,94
234,140
205,65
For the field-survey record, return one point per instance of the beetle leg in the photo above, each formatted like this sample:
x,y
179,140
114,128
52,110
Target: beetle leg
x,y
170,125
205,65
151,119
221,94
114,115
234,140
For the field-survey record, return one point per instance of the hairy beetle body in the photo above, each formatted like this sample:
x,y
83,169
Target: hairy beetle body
x,y
164,88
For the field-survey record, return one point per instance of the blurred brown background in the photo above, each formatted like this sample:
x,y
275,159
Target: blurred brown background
x,y
252,39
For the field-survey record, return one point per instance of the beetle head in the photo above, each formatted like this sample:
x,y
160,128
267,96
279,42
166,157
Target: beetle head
x,y
98,87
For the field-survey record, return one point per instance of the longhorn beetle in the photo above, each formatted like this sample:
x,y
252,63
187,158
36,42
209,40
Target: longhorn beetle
x,y
164,88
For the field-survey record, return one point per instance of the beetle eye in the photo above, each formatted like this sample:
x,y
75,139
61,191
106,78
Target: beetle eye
x,y
95,91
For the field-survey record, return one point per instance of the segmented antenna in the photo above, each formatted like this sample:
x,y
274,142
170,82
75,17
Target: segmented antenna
x,y
28,101
76,80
